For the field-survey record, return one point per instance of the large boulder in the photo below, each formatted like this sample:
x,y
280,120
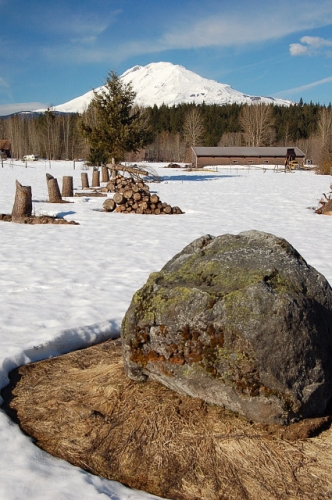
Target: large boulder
x,y
240,321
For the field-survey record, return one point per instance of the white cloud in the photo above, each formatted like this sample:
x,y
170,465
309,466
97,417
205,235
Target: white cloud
x,y
251,25
3,83
229,27
296,49
303,88
310,46
234,28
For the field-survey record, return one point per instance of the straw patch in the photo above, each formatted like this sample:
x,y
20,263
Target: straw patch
x,y
81,407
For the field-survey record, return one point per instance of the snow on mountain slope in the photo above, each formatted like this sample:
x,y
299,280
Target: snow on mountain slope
x,y
169,84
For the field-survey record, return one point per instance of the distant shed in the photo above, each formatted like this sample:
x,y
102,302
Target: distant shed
x,y
5,148
203,157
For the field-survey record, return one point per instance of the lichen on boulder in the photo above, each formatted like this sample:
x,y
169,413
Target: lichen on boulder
x,y
240,321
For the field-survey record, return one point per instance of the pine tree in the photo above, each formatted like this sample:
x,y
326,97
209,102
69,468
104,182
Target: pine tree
x,y
112,124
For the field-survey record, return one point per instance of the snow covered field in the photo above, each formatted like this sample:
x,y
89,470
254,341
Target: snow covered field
x,y
64,287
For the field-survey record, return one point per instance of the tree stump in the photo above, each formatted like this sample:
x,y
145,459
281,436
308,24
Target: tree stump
x,y
95,177
23,202
85,180
53,189
104,174
67,186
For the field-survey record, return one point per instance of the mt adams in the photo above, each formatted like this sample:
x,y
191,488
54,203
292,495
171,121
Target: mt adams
x,y
169,84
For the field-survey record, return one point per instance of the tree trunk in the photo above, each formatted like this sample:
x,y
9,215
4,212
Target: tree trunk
x,y
67,186
85,180
95,178
23,202
53,189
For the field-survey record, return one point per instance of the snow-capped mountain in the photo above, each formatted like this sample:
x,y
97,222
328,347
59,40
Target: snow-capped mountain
x,y
169,84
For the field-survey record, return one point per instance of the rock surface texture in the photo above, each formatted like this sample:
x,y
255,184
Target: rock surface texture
x,y
240,321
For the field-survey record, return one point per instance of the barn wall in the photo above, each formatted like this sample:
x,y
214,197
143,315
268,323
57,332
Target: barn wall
x,y
204,161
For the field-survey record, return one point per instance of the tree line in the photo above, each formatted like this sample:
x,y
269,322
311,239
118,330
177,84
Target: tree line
x,y
166,133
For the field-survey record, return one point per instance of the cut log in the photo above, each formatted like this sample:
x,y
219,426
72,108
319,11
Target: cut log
x,y
177,210
109,205
167,209
137,196
67,186
54,194
143,205
85,180
127,193
130,170
154,198
23,202
119,198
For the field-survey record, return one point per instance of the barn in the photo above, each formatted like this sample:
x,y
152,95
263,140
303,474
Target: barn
x,y
204,156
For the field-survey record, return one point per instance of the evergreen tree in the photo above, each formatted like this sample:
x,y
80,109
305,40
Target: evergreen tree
x,y
117,126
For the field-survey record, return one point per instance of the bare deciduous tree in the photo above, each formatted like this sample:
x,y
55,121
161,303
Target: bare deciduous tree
x,y
193,129
325,139
325,125
257,122
231,139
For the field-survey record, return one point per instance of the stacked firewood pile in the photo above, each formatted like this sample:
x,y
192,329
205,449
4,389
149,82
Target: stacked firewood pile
x,y
133,196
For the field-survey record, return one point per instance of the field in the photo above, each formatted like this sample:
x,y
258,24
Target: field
x,y
64,287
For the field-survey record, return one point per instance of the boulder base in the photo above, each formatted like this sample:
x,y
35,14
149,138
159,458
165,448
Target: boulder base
x,y
240,321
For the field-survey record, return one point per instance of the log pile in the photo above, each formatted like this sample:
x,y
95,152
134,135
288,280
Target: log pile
x,y
133,196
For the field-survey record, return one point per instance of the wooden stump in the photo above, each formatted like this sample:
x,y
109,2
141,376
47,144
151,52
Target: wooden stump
x,y
105,174
53,189
67,186
23,202
95,177
85,180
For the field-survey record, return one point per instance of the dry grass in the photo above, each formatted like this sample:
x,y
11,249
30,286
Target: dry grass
x,y
82,408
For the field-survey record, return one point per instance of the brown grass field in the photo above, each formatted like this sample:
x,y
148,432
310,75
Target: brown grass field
x,y
82,408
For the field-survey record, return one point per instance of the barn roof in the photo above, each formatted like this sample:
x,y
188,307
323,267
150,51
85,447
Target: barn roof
x,y
246,151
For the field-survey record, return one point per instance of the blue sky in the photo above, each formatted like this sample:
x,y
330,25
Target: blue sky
x,y
55,50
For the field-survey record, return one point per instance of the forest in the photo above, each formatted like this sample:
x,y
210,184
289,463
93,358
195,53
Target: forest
x,y
174,129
